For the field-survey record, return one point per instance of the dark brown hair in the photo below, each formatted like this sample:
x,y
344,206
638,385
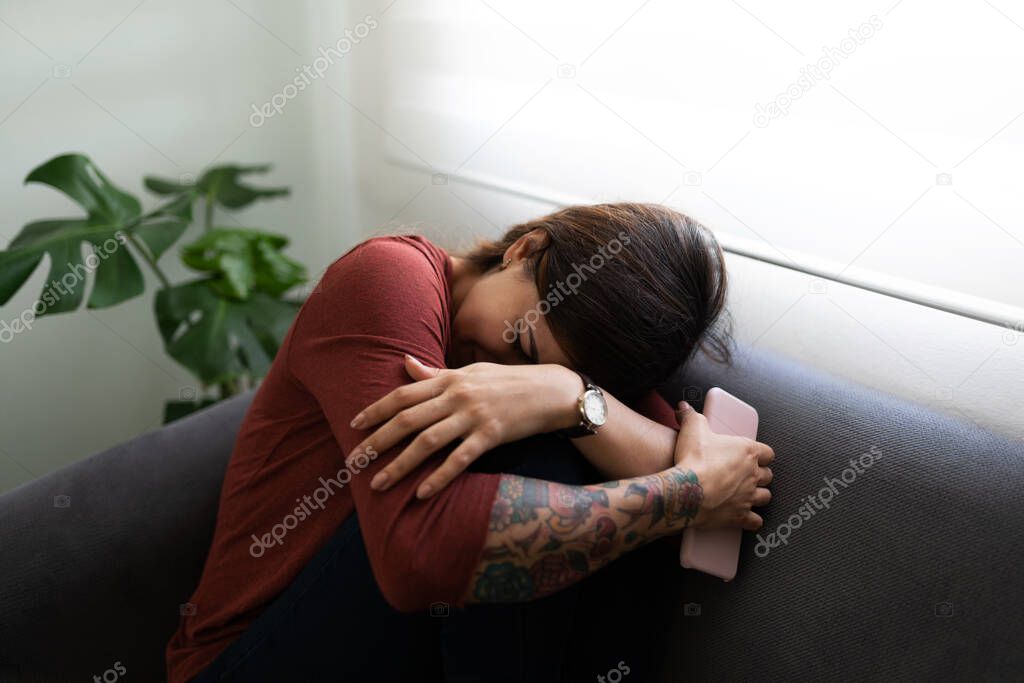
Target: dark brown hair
x,y
651,290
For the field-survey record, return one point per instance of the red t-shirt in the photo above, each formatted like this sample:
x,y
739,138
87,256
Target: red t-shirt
x,y
287,487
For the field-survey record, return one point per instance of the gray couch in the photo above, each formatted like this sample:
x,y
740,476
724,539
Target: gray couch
x,y
913,572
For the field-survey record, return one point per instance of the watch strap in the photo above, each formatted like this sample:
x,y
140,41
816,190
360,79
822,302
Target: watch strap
x,y
584,428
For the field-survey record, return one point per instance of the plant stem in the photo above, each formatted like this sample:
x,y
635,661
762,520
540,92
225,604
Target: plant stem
x,y
228,387
149,259
208,217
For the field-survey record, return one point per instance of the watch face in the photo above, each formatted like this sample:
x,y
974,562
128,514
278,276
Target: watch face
x,y
595,407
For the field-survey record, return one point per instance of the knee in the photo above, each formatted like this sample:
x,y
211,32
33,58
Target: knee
x,y
544,456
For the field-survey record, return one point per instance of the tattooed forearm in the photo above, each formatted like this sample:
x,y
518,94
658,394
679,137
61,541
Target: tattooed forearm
x,y
545,536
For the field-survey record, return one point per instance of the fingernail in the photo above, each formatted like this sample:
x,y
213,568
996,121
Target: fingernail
x,y
424,491
357,421
379,481
413,359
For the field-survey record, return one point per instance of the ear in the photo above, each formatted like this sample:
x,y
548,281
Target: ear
x,y
528,245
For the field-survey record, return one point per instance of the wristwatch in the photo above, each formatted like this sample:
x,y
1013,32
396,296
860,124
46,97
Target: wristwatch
x,y
593,410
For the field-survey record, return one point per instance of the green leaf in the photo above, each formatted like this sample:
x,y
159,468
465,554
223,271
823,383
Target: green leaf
x,y
109,210
175,410
243,260
218,338
65,286
162,186
76,176
166,225
221,185
275,272
111,215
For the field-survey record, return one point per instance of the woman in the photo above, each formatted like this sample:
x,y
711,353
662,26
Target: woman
x,y
333,541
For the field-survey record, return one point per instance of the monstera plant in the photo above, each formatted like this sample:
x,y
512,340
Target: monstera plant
x,y
224,325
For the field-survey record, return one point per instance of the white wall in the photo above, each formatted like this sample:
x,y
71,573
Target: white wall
x,y
662,103
161,88
659,107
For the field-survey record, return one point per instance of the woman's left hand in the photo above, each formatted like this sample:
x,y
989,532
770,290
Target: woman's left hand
x,y
484,404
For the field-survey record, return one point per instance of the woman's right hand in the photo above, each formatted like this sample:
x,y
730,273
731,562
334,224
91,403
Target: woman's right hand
x,y
732,471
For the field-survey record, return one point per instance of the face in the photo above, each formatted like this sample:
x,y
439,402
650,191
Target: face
x,y
497,320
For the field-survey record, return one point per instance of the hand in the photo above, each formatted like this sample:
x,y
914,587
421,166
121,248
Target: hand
x,y
732,472
484,404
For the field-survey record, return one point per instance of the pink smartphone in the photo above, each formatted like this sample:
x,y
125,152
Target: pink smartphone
x,y
717,551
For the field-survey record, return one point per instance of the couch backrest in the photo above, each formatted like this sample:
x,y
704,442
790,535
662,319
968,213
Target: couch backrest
x,y
912,572
96,558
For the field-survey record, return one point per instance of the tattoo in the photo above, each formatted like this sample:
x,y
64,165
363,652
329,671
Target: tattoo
x,y
503,582
604,535
517,502
683,495
677,499
546,536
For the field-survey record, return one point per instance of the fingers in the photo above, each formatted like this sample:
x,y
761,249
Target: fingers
x,y
752,521
693,432
765,454
398,399
764,476
419,370
406,422
423,446
469,450
761,497
689,419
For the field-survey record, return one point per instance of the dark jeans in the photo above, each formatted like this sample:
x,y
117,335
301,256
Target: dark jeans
x,y
333,624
